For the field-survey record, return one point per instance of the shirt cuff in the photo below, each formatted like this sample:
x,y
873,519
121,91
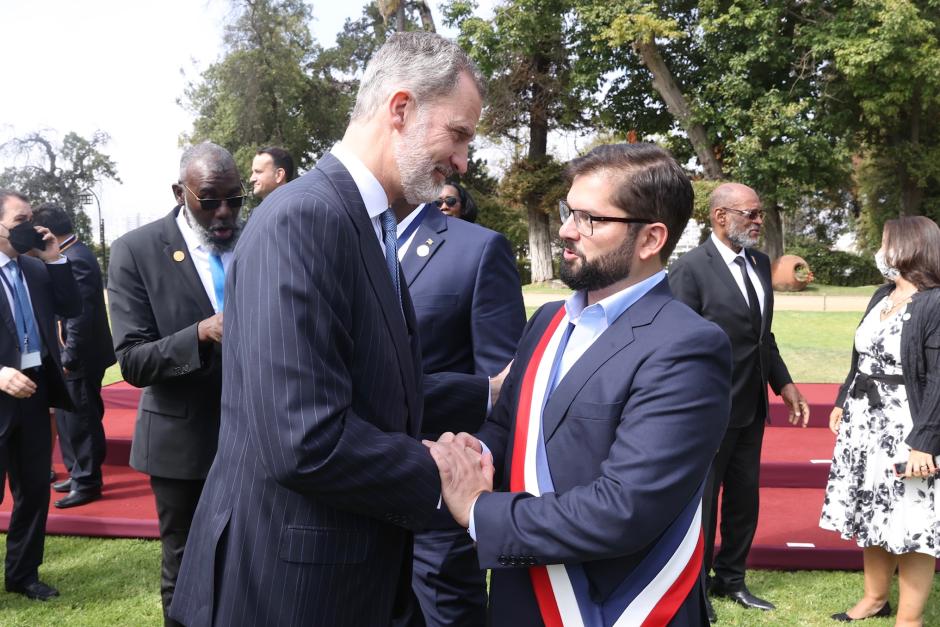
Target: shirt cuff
x,y
472,530
62,259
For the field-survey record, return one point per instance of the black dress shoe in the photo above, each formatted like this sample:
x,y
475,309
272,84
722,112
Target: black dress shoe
x,y
78,497
63,486
34,590
743,597
885,610
710,611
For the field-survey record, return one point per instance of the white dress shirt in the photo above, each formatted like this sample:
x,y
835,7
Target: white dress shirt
x,y
372,192
199,253
729,256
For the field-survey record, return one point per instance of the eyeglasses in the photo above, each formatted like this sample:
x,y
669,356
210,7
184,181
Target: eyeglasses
x,y
584,221
450,201
750,214
211,204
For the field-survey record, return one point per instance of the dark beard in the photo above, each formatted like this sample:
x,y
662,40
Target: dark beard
x,y
603,271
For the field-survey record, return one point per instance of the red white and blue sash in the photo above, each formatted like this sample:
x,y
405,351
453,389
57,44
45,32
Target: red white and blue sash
x,y
658,585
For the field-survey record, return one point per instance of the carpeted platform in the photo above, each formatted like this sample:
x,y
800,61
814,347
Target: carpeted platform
x,y
794,469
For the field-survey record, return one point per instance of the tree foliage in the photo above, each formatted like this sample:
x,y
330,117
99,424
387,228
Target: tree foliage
x,y
59,172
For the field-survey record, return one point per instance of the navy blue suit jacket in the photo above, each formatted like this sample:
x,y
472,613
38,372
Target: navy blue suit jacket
x,y
629,432
309,507
87,346
467,299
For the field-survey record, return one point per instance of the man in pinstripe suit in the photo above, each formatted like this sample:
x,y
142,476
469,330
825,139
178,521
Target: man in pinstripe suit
x,y
319,481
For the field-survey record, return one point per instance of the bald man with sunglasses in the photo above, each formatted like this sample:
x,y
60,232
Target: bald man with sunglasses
x,y
166,293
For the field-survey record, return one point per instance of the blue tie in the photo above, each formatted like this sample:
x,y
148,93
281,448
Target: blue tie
x,y
218,278
25,321
390,237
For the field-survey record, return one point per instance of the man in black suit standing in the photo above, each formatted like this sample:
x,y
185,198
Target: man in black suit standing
x,y
727,281
86,348
166,291
33,292
468,302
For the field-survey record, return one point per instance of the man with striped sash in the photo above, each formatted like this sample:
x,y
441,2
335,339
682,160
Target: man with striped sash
x,y
608,420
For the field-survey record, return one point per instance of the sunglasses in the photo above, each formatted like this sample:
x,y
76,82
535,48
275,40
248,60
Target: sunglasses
x,y
211,204
750,214
450,201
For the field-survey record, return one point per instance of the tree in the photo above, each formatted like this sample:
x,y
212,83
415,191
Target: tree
x,y
526,54
59,173
270,87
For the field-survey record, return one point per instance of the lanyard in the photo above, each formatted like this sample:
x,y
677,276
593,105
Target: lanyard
x,y
20,313
411,228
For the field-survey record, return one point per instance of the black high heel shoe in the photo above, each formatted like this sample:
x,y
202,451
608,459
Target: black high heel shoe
x,y
885,610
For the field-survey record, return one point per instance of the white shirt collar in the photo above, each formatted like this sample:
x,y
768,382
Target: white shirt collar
x,y
189,235
4,259
372,192
615,304
409,219
726,253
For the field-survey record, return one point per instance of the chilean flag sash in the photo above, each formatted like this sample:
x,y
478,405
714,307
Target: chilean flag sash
x,y
658,586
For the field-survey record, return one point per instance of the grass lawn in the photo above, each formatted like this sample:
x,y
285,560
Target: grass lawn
x,y
815,345
813,289
116,582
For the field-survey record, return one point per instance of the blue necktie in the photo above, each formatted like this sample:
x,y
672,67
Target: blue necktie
x,y
390,237
218,278
25,320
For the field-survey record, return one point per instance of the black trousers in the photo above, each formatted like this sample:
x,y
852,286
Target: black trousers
x,y
81,433
176,504
447,579
25,457
735,472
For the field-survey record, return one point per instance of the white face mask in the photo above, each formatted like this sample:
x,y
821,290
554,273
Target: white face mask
x,y
889,272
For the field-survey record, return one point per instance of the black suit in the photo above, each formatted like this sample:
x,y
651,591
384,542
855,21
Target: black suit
x,y
702,280
156,300
468,303
25,436
87,351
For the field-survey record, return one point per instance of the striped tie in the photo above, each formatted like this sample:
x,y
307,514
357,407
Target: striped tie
x,y
390,237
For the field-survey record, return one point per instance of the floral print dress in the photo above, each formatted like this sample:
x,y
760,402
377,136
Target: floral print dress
x,y
864,498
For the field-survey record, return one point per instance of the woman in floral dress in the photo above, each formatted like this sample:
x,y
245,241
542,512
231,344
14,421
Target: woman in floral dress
x,y
887,415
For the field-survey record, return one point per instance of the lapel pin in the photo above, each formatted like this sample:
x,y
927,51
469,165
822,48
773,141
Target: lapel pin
x,y
906,316
179,255
423,250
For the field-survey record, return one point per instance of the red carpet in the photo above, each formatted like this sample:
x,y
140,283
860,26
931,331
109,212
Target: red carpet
x,y
794,469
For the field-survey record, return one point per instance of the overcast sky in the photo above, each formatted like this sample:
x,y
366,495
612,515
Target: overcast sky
x,y
120,67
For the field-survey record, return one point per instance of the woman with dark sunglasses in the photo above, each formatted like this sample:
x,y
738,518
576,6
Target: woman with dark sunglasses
x,y
456,202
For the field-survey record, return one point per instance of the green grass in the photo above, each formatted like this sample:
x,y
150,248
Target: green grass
x,y
101,582
820,289
816,346
112,375
116,582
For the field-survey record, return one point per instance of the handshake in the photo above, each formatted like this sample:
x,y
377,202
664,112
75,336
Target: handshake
x,y
466,472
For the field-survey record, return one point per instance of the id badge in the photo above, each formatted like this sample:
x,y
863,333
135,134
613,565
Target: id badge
x,y
31,360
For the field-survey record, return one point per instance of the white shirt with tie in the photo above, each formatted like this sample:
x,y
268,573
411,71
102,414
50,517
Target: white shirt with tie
x,y
729,256
199,253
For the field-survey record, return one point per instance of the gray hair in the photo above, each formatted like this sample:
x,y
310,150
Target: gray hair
x,y
425,64
213,156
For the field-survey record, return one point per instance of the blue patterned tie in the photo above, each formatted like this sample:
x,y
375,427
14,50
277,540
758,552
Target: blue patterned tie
x,y
218,278
25,319
390,237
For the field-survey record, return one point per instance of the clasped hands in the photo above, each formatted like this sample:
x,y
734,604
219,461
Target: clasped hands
x,y
466,472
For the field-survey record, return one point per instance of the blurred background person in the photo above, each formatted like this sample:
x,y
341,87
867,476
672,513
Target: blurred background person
x,y
456,202
271,168
887,415
87,351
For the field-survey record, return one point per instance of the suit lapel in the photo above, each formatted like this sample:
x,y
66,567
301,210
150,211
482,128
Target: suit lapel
x,y
178,255
763,274
377,272
7,314
723,272
616,338
431,235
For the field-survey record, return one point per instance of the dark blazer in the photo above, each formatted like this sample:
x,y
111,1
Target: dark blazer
x,y
52,291
88,348
629,432
702,280
920,361
307,513
156,299
466,294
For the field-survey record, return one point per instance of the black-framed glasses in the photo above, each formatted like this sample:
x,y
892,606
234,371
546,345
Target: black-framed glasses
x,y
211,204
450,201
584,221
750,214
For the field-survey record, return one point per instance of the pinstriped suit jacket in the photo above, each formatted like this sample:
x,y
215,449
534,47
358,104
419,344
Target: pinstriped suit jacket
x,y
308,510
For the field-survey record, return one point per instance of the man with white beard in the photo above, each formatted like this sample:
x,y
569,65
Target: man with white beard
x,y
319,482
727,281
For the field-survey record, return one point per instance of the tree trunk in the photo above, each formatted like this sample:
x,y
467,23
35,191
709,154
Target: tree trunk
x,y
773,232
540,246
427,20
666,86
540,240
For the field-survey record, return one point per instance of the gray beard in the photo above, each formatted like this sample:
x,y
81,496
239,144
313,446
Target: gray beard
x,y
739,238
205,235
416,167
